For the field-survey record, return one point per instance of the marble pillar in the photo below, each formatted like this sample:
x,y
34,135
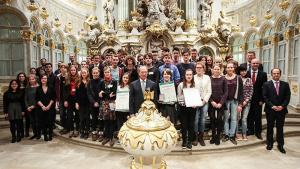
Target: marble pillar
x,y
191,16
123,16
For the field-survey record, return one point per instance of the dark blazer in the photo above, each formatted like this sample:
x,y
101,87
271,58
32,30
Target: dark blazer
x,y
136,96
260,67
261,78
272,99
101,73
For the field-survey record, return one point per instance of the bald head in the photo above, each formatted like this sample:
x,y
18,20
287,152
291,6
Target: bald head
x,y
255,64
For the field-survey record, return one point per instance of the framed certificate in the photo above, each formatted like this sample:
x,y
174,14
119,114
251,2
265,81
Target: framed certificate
x,y
122,101
192,97
167,92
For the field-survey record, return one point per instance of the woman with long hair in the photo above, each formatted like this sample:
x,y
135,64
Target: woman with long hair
x,y
187,114
13,105
107,94
73,77
22,81
217,103
233,103
123,87
45,98
82,103
30,103
131,68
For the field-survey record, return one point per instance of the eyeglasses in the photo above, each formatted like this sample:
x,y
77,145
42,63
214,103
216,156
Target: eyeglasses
x,y
199,67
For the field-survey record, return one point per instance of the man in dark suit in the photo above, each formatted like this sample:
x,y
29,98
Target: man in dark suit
x,y
137,89
254,117
276,95
250,56
97,64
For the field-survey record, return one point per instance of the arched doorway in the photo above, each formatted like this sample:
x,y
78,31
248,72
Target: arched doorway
x,y
206,51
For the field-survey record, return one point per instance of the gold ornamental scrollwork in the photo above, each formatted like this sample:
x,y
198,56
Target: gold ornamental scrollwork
x,y
244,47
288,34
123,25
64,47
52,44
27,35
259,43
235,28
223,49
6,2
156,29
190,23
40,40
284,4
274,39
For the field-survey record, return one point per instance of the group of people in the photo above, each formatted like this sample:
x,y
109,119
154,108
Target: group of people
x,y
85,95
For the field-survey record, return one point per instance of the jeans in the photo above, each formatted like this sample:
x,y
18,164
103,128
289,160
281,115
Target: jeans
x,y
244,119
232,114
200,117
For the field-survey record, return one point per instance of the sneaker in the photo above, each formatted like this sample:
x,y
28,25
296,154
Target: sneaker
x,y
232,139
184,144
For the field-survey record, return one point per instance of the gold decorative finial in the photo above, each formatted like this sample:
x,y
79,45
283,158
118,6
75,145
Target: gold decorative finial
x,y
284,4
44,13
32,6
268,15
252,20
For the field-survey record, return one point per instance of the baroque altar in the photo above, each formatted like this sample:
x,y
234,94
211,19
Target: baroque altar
x,y
159,23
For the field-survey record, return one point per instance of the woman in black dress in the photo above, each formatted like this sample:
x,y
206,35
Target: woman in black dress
x,y
45,98
22,81
13,104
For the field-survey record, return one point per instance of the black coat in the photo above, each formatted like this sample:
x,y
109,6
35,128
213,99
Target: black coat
x,y
261,78
136,96
272,99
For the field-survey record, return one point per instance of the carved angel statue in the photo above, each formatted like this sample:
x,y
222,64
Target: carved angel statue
x,y
206,11
109,17
224,27
92,26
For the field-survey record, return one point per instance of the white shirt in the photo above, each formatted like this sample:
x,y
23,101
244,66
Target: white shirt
x,y
203,83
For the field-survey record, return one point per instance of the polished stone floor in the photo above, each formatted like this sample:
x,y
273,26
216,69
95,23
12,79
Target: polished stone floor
x,y
61,155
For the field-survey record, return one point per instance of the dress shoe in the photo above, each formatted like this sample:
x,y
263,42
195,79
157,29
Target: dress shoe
x,y
76,133
32,137
195,143
281,149
101,138
225,138
111,142
259,136
200,139
38,137
86,135
71,134
212,140
269,147
217,141
189,146
46,138
19,139
232,139
50,138
13,140
82,135
105,140
249,133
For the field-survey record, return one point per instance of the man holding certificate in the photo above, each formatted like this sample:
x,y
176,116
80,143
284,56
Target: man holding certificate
x,y
189,99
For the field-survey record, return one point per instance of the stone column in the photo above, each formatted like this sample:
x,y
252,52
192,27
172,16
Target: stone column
x,y
123,16
191,16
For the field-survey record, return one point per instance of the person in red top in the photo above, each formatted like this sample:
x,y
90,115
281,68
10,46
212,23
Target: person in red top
x,y
70,104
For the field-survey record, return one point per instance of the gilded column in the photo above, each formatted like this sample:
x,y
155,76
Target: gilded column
x,y
191,16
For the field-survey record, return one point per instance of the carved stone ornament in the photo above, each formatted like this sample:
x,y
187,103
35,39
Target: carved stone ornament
x,y
44,13
156,29
252,21
123,25
284,4
190,24
268,15
148,134
223,49
68,27
27,35
274,39
244,47
235,28
32,6
64,48
52,44
289,33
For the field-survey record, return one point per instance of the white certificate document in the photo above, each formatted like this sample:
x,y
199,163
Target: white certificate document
x,y
122,101
167,92
192,97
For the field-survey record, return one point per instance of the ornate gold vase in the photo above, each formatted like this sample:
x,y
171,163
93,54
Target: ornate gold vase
x,y
148,135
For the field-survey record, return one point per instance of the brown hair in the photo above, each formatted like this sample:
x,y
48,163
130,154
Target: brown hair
x,y
70,77
122,85
78,82
184,79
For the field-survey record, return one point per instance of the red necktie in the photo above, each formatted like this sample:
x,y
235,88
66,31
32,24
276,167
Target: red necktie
x,y
253,77
277,87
